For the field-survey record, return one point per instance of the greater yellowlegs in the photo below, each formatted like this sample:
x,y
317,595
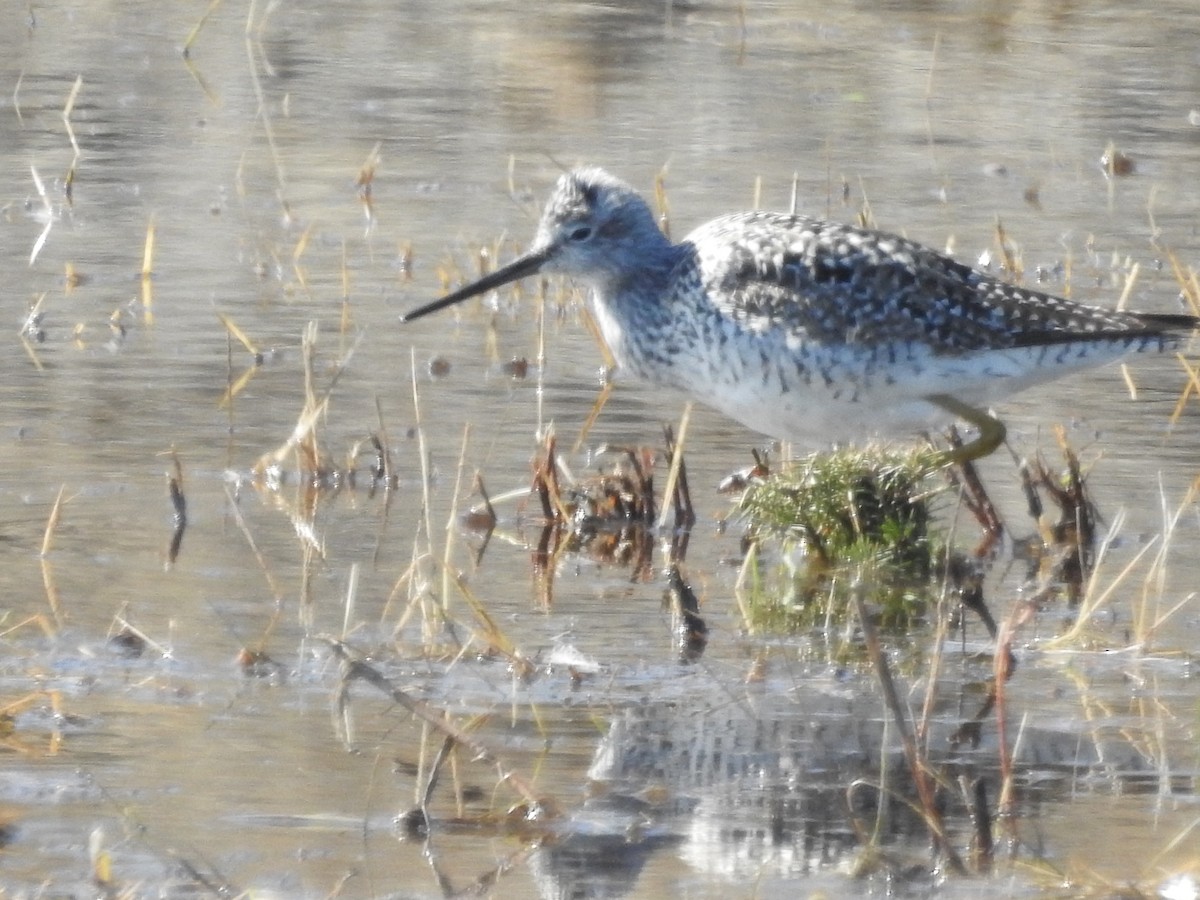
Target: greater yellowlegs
x,y
811,330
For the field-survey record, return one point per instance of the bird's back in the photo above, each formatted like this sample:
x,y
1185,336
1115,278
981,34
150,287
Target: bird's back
x,y
801,328
836,284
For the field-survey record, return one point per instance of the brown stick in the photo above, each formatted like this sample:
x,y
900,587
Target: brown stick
x,y
355,669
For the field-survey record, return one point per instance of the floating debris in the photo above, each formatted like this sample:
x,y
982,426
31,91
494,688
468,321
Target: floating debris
x,y
1116,163
516,368
127,644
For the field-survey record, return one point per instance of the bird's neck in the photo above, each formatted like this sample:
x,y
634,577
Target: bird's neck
x,y
642,292
635,308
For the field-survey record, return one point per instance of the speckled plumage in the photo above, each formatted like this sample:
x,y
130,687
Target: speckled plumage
x,y
811,330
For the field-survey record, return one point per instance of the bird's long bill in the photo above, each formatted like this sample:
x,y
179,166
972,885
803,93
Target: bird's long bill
x,y
518,268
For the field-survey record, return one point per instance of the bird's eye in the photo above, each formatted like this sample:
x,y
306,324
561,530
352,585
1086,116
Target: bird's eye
x,y
580,233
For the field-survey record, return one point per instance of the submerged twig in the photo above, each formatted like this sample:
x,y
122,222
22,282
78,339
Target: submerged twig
x,y
355,669
915,758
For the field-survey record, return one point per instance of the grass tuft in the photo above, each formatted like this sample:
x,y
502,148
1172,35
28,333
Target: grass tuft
x,y
850,517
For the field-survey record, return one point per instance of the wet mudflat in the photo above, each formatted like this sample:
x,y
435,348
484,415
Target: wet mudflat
x,y
176,723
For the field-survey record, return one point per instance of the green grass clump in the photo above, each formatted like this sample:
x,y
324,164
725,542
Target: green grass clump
x,y
851,517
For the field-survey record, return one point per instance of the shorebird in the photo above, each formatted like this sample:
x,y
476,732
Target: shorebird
x,y
810,330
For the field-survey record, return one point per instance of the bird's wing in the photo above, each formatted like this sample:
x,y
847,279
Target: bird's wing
x,y
838,284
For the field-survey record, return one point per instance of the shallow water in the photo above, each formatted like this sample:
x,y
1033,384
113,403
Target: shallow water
x,y
943,121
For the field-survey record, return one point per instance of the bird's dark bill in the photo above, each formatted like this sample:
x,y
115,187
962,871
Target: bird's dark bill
x,y
519,268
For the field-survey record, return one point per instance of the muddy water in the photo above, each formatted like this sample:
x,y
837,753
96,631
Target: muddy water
x,y
243,161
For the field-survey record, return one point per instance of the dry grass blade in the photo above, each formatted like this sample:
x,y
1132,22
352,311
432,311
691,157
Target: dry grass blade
x,y
239,335
303,439
866,215
1172,844
1189,288
661,203
1093,598
1008,253
492,635
546,484
676,464
1127,377
452,518
47,213
205,87
52,522
147,286
747,586
69,178
384,445
68,109
36,619
297,254
52,597
1185,279
426,506
1127,291
1192,387
351,599
357,670
610,365
1147,615
196,29
186,52
679,496
14,708
276,591
366,177
17,706
257,58
235,387
601,400
16,97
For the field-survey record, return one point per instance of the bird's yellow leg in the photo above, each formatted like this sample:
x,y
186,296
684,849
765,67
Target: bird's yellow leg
x,y
991,430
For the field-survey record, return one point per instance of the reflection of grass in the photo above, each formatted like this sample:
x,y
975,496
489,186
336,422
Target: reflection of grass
x,y
843,518
1147,614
